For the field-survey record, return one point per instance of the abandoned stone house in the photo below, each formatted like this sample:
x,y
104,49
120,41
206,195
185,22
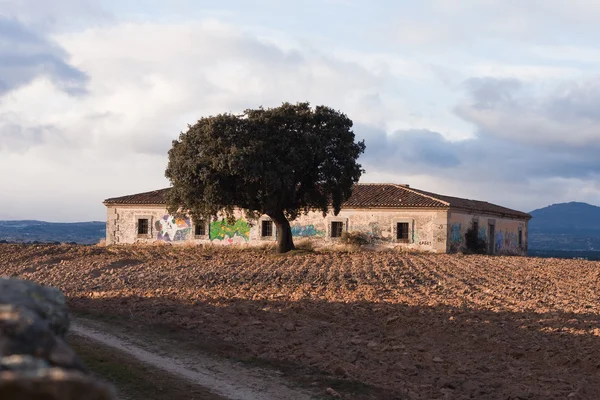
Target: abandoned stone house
x,y
387,214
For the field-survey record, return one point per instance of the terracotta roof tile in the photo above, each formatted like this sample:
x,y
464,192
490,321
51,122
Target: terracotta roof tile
x,y
475,205
378,195
153,197
369,195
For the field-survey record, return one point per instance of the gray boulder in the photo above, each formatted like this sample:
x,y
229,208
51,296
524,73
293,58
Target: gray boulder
x,y
47,302
35,360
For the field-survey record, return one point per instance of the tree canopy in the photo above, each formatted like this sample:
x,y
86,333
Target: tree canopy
x,y
280,162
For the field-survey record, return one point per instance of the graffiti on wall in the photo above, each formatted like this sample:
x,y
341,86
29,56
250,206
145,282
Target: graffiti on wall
x,y
456,237
455,234
375,233
482,234
415,237
173,229
238,232
372,230
305,231
499,240
507,242
511,241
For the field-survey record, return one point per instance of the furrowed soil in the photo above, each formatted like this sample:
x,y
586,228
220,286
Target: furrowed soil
x,y
365,325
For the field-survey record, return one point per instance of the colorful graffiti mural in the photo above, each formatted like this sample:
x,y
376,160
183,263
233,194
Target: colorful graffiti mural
x,y
222,230
173,229
305,231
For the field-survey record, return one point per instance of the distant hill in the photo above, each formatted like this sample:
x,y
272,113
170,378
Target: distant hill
x,y
48,232
565,227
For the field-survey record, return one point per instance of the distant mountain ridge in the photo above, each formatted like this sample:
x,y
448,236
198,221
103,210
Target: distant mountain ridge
x,y
27,231
573,226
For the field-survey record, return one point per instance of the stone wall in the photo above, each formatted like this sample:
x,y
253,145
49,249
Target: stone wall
x,y
427,228
506,232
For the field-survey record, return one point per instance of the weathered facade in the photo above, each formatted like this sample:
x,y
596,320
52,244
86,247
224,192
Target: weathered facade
x,y
385,214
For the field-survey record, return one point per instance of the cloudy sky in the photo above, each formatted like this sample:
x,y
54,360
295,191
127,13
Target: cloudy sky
x,y
497,100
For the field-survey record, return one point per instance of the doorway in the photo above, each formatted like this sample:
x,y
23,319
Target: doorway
x,y
491,239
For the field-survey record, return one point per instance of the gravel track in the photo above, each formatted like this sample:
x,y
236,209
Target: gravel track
x,y
224,378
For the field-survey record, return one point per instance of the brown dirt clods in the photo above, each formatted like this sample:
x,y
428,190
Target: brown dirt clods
x,y
411,325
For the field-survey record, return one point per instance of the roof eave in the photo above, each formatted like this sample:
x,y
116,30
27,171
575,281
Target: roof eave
x,y
134,204
502,215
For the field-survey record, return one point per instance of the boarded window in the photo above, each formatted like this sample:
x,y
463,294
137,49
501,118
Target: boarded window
x,y
337,228
200,228
267,229
143,226
402,231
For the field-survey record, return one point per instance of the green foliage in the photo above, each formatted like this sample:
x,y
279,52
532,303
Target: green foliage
x,y
280,161
474,243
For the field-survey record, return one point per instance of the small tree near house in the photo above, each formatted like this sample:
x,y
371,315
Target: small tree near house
x,y
280,161
473,242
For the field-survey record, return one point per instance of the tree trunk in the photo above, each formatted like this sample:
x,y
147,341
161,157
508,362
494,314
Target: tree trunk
x,y
284,233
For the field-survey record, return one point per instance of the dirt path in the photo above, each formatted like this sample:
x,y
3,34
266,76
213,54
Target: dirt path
x,y
222,377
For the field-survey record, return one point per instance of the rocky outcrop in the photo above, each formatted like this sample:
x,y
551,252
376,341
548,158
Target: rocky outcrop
x,y
35,360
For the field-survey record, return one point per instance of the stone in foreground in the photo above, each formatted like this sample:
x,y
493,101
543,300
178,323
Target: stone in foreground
x,y
35,360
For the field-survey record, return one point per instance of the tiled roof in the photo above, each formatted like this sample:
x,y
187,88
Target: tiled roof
x,y
368,195
475,205
373,195
153,197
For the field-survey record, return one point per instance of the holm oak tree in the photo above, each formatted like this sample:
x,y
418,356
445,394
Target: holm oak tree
x,y
280,162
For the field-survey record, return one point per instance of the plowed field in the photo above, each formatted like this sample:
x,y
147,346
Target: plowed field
x,y
416,326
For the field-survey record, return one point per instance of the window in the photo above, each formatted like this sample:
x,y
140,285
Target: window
x,y
337,227
476,225
200,228
266,228
520,238
143,226
402,231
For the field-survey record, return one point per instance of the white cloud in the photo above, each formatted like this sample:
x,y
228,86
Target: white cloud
x,y
147,80
559,115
